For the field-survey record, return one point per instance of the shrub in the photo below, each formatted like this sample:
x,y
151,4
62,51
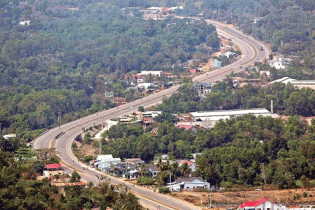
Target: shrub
x,y
305,194
164,190
226,184
299,183
141,109
145,180
96,144
87,159
74,146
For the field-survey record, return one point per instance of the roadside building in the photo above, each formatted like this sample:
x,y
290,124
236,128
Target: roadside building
x,y
203,88
215,63
135,161
189,183
297,83
53,169
229,54
209,119
150,114
279,62
145,85
261,204
154,170
152,73
103,161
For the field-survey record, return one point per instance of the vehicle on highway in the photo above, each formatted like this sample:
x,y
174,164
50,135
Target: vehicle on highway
x,y
261,49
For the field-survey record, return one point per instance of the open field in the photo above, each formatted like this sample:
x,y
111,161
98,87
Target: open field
x,y
292,197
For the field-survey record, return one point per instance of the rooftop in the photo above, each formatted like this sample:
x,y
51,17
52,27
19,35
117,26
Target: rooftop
x,y
236,112
253,203
186,127
104,157
53,166
189,163
153,168
188,179
12,135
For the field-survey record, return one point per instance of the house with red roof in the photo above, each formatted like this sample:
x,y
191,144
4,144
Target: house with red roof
x,y
186,127
190,165
53,169
261,204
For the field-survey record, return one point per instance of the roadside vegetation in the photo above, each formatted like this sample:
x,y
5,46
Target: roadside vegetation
x,y
20,188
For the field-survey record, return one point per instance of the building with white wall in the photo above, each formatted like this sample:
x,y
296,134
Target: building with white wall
x,y
209,119
53,169
152,73
216,64
297,83
261,204
103,161
189,183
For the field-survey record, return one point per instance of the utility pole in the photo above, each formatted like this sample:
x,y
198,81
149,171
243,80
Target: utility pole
x,y
171,182
59,118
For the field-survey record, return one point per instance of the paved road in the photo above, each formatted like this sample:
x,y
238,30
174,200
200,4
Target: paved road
x,y
250,54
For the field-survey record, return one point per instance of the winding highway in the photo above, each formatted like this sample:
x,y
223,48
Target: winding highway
x,y
251,53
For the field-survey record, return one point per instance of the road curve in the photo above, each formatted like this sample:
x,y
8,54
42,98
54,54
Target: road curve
x,y
250,54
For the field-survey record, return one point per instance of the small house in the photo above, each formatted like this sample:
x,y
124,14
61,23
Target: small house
x,y
189,183
53,169
151,73
136,161
261,204
229,54
190,165
216,64
154,170
103,161
203,88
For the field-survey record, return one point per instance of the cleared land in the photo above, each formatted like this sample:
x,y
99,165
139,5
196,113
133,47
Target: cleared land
x,y
291,197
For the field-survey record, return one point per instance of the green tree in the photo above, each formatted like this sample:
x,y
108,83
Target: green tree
x,y
75,177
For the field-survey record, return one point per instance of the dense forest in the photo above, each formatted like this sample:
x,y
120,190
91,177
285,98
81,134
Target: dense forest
x,y
72,52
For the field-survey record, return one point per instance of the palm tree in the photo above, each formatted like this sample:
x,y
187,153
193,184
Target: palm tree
x,y
185,170
165,166
175,169
143,168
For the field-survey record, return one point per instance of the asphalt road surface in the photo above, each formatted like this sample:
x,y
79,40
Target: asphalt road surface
x,y
251,53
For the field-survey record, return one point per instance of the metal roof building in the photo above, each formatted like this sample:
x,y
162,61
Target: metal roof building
x,y
208,119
